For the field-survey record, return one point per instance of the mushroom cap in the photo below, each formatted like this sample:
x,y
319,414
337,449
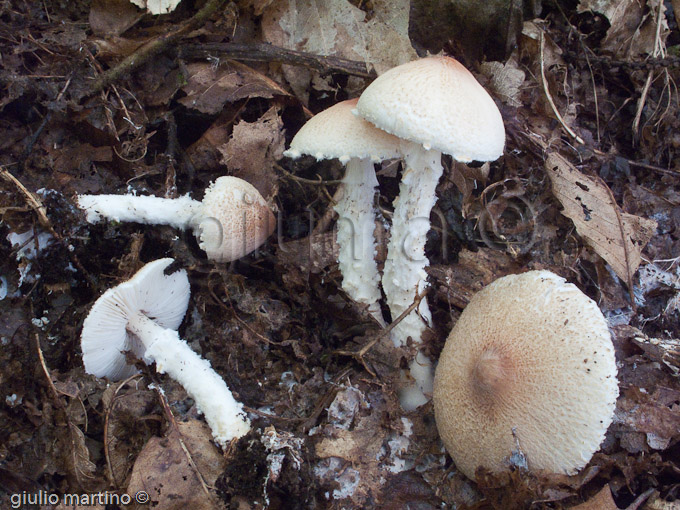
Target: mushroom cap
x,y
436,102
337,133
104,339
235,219
530,354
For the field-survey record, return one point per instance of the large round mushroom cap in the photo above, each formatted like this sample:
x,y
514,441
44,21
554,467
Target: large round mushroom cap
x,y
437,103
530,355
337,133
161,297
235,219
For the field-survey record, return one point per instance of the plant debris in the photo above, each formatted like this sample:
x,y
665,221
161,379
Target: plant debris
x,y
106,97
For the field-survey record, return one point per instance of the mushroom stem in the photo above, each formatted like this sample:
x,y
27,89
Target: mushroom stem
x,y
360,277
173,356
404,276
177,212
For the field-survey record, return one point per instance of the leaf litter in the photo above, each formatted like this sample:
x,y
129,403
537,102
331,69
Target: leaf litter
x,y
587,188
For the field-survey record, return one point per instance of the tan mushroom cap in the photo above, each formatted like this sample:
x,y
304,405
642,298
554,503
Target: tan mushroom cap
x,y
437,103
337,133
235,219
531,354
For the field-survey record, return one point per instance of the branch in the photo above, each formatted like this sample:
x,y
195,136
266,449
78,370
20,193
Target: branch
x,y
270,53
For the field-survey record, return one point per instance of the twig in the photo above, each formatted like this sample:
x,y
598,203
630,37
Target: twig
x,y
319,182
155,46
550,99
648,82
180,440
359,355
270,53
626,255
39,208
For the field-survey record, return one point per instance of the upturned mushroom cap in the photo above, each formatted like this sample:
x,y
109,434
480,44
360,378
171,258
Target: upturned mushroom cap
x,y
337,133
437,103
161,297
530,354
234,220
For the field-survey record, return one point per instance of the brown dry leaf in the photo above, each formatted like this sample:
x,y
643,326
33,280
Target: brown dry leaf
x,y
457,283
632,30
616,236
210,87
163,471
505,80
77,458
252,150
336,27
601,501
112,17
312,254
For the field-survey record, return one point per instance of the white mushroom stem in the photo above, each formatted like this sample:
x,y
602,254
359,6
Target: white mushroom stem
x,y
360,277
404,276
177,212
173,356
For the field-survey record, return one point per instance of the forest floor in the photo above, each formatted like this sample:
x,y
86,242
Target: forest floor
x,y
99,97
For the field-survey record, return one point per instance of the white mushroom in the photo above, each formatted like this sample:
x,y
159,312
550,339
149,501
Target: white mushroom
x,y
337,133
232,220
436,104
142,316
530,364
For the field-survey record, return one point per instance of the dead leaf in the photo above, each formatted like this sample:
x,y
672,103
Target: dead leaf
x,y
457,283
632,29
163,471
616,236
601,501
253,149
112,17
336,27
210,87
312,254
77,458
505,80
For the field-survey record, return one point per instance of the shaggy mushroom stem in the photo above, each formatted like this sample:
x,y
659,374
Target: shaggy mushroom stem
x,y
173,356
404,276
176,212
360,277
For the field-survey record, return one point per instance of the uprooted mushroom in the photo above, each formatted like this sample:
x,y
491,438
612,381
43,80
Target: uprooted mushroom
x,y
141,316
231,221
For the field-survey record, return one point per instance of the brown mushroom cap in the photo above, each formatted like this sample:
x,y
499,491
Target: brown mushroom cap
x,y
530,354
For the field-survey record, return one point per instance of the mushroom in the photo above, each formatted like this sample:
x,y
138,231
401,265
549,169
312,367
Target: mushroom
x,y
337,133
528,368
142,316
232,220
437,105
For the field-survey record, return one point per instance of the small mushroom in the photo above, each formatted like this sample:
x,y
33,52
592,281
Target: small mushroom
x,y
337,133
142,316
528,368
232,220
437,105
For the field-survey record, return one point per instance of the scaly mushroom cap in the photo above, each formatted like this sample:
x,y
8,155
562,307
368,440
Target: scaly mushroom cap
x,y
530,354
235,219
337,133
437,103
163,298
